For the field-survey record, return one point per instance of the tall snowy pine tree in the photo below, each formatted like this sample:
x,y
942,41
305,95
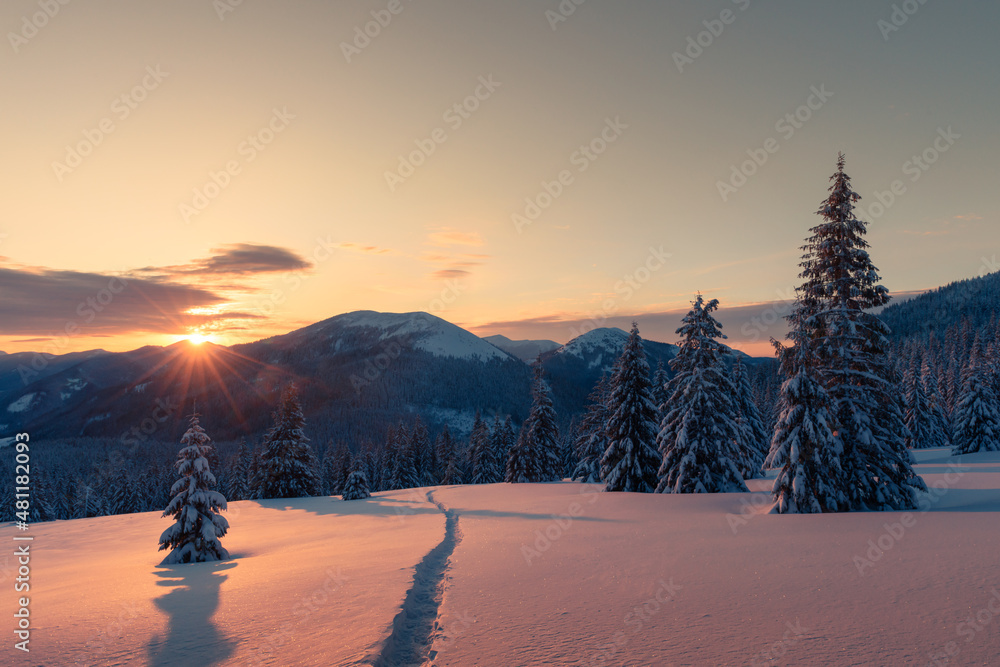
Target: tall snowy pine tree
x,y
848,353
631,461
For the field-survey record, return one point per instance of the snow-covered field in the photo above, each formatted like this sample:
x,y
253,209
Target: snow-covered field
x,y
548,574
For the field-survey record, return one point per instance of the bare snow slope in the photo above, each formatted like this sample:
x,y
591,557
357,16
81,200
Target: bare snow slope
x,y
313,581
638,579
546,574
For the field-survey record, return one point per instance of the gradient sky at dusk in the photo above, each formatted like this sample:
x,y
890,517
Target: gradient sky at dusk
x,y
308,227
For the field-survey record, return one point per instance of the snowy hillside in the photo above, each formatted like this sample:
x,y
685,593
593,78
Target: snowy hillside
x,y
599,348
554,574
421,331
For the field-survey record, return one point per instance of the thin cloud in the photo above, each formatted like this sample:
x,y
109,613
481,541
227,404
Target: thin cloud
x,y
445,237
237,259
450,274
364,249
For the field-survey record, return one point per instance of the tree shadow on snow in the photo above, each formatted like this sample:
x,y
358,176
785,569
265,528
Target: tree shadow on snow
x,y
192,638
374,507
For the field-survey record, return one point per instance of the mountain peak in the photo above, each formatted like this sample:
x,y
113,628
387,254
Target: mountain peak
x,y
424,331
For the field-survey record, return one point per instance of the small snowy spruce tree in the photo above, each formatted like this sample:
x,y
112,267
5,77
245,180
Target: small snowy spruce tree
x,y
288,467
535,456
485,467
198,526
356,485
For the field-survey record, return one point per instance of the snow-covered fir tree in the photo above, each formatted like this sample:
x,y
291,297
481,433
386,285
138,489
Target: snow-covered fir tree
x,y
804,447
660,390
849,352
356,485
485,467
631,461
920,420
444,448
699,437
241,473
424,460
936,405
753,437
535,456
409,477
198,526
396,461
977,415
87,502
287,466
123,497
592,438
336,468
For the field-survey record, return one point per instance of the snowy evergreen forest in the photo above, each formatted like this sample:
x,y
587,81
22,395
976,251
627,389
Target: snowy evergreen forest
x,y
856,387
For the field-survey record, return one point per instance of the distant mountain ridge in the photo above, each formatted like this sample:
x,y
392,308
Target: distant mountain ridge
x,y
525,350
976,300
357,373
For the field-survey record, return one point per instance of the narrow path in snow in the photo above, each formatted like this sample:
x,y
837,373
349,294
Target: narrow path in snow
x,y
413,627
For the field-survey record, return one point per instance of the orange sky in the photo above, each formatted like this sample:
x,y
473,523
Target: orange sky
x,y
246,173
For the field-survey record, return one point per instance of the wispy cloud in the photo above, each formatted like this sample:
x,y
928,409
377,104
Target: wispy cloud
x,y
237,259
446,237
365,249
450,274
